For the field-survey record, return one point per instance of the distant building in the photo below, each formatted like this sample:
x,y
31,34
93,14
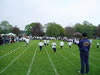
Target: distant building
x,y
23,32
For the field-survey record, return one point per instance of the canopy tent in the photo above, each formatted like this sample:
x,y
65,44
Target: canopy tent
x,y
12,34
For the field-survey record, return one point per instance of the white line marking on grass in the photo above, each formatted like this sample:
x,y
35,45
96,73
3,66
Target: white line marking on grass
x,y
89,62
10,52
68,60
79,58
54,68
30,67
13,61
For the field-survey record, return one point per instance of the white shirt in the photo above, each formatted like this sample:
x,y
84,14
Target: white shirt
x,y
90,40
27,40
97,43
40,43
44,41
61,43
69,43
47,41
53,45
77,42
17,38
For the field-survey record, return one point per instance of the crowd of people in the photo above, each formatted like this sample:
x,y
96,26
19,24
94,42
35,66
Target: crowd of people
x,y
11,39
70,42
46,43
7,39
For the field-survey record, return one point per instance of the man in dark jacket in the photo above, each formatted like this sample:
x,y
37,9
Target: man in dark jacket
x,y
84,46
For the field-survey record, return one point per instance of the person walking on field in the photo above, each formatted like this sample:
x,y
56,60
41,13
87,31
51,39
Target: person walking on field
x,y
61,44
45,42
97,44
48,42
84,47
54,46
27,40
70,43
41,45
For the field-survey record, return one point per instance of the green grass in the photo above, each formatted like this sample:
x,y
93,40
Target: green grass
x,y
19,59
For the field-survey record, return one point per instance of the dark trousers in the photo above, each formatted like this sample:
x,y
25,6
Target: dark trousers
x,y
45,44
54,49
84,61
97,46
61,46
26,43
69,46
40,48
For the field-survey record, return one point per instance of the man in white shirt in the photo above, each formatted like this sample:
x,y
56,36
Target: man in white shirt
x,y
61,44
40,45
45,42
54,46
97,44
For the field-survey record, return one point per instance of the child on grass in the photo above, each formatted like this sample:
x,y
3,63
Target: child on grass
x,y
70,43
97,44
45,42
40,45
54,46
61,44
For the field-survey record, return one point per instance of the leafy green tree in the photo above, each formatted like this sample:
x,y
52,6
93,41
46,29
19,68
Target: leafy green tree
x,y
69,31
5,27
16,30
34,29
98,30
87,27
28,29
54,29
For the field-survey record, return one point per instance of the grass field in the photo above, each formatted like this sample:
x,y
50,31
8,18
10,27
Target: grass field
x,y
19,59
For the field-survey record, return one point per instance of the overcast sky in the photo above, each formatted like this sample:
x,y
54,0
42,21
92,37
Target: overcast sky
x,y
65,12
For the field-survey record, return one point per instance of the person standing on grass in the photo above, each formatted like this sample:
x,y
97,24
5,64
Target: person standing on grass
x,y
45,42
61,44
97,44
84,47
77,41
27,40
70,43
90,42
41,44
54,46
1,40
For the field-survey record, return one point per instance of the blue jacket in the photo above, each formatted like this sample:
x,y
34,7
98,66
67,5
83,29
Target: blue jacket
x,y
84,45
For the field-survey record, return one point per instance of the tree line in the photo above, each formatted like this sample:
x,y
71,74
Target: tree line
x,y
6,27
53,29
